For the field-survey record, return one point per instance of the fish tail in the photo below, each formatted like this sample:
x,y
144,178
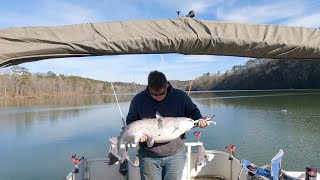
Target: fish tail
x,y
209,121
114,140
119,142
212,122
114,151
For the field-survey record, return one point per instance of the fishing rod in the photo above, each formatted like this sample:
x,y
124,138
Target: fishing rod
x,y
234,92
135,84
190,87
115,95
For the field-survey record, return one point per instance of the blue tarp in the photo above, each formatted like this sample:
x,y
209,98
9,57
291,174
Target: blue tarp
x,y
257,170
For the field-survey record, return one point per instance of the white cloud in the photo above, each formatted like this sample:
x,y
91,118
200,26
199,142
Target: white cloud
x,y
122,68
196,59
310,21
50,13
65,12
264,13
108,68
293,13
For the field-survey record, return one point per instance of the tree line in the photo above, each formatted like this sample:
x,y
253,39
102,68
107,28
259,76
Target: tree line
x,y
260,74
19,82
253,75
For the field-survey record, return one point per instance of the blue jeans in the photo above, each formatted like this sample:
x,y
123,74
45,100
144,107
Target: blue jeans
x,y
161,168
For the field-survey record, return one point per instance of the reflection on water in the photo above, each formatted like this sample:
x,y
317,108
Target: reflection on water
x,y
265,122
44,133
63,101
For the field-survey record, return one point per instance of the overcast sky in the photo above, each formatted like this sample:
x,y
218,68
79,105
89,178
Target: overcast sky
x,y
129,68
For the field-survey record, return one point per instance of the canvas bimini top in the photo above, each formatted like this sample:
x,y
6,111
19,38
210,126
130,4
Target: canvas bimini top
x,y
182,35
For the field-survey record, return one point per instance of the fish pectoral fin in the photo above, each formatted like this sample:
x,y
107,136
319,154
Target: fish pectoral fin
x,y
150,142
160,123
113,140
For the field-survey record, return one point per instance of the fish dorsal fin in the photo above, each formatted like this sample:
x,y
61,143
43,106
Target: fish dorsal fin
x,y
158,115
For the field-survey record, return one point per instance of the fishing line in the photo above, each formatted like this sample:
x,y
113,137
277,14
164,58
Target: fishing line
x,y
190,87
115,95
237,94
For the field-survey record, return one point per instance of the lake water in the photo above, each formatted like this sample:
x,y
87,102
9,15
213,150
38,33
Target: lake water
x,y
38,136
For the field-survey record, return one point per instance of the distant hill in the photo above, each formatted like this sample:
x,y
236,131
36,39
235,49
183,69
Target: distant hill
x,y
128,88
20,83
264,74
255,74
184,85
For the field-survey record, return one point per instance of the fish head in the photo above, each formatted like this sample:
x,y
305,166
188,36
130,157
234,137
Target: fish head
x,y
185,124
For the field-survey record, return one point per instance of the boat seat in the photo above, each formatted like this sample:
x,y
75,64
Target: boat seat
x,y
262,173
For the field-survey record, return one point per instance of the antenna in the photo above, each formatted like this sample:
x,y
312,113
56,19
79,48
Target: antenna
x,y
124,123
178,13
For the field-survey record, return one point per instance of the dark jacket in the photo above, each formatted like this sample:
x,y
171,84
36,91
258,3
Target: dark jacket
x,y
176,104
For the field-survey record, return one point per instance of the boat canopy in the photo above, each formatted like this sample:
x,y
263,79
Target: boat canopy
x,y
183,35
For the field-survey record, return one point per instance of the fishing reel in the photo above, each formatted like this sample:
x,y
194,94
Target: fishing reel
x,y
231,148
197,134
76,160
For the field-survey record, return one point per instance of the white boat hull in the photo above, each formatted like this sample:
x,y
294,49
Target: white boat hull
x,y
220,165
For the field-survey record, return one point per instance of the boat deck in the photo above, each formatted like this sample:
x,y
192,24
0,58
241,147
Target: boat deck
x,y
208,178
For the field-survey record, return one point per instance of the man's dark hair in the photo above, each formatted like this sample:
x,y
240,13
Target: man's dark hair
x,y
157,80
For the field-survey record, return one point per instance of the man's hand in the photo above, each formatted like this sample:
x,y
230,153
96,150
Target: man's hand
x,y
203,122
144,138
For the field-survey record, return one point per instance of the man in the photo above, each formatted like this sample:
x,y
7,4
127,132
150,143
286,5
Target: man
x,y
162,160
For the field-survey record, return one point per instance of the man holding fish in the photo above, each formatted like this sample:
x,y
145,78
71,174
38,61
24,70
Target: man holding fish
x,y
160,159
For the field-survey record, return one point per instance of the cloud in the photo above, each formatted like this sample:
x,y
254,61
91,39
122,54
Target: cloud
x,y
310,21
66,12
292,13
127,68
262,13
50,13
196,59
107,68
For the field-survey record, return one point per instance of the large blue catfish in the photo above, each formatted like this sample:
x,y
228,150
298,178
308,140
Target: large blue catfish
x,y
159,129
